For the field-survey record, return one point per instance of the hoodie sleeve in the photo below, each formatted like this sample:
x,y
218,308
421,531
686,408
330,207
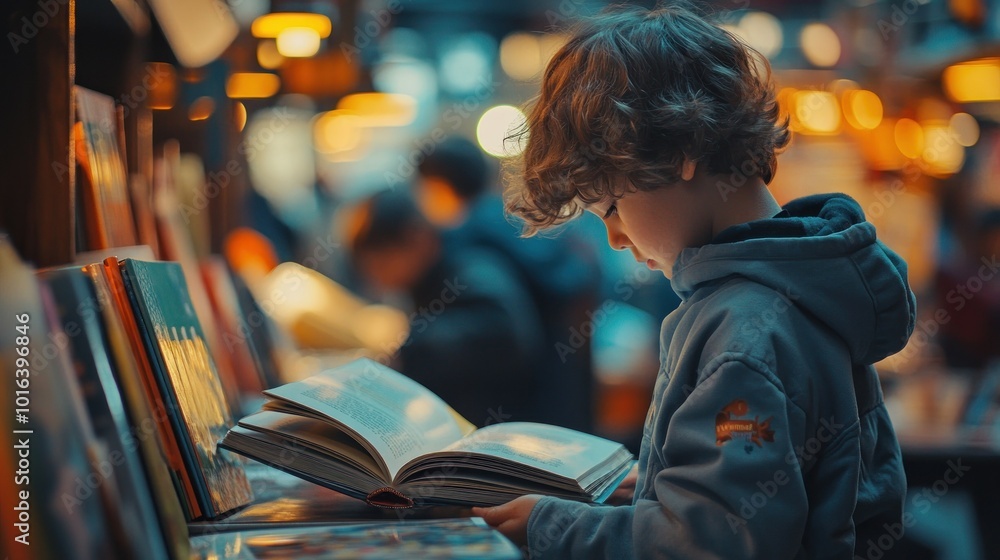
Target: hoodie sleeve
x,y
732,487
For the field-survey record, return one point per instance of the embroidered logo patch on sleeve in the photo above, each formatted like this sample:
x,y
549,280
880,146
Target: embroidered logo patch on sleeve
x,y
728,426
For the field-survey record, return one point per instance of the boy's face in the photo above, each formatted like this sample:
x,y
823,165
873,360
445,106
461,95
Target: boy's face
x,y
656,225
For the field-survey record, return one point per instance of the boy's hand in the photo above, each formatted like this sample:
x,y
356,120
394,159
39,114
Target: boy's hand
x,y
511,518
622,496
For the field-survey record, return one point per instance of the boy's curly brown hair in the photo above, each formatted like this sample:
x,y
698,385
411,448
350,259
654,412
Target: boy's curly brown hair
x,y
630,95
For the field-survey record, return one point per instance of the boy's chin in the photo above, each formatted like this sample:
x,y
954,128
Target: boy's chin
x,y
656,266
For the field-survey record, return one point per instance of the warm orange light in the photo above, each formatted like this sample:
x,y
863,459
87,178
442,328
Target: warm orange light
x,y
270,26
268,56
163,85
942,155
249,252
786,105
201,109
380,109
336,132
862,109
879,147
976,80
909,138
240,115
252,85
438,201
817,112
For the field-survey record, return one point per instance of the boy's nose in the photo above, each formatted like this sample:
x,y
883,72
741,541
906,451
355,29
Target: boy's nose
x,y
617,238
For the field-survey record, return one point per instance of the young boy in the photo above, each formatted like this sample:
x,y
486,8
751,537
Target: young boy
x,y
766,435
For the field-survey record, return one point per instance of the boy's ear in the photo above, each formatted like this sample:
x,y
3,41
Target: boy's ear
x,y
687,168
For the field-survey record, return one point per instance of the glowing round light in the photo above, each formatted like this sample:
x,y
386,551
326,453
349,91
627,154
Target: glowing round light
x,y
408,76
268,56
862,109
466,63
337,132
240,115
762,31
298,42
495,128
820,44
942,154
965,128
909,138
817,112
521,56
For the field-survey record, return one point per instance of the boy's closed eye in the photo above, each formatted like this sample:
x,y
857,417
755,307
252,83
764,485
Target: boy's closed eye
x,y
610,211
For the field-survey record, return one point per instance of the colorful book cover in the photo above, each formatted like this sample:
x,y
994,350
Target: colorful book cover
x,y
188,380
168,438
128,376
77,307
56,504
106,201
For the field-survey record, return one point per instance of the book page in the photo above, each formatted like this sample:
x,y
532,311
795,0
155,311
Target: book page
x,y
399,417
560,451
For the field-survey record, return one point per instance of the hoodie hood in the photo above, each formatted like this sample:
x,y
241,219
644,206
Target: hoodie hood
x,y
825,256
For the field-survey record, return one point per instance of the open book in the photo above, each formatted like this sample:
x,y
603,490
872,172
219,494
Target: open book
x,y
372,433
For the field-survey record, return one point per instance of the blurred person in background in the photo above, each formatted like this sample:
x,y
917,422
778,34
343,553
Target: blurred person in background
x,y
474,333
455,193
969,293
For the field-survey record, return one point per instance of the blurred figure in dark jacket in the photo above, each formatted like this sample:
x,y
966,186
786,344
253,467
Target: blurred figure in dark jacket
x,y
969,298
561,275
474,332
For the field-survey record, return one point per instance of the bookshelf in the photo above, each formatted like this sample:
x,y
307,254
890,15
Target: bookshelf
x,y
53,46
37,194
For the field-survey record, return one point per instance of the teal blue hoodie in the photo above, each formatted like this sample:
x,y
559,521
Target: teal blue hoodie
x,y
766,436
